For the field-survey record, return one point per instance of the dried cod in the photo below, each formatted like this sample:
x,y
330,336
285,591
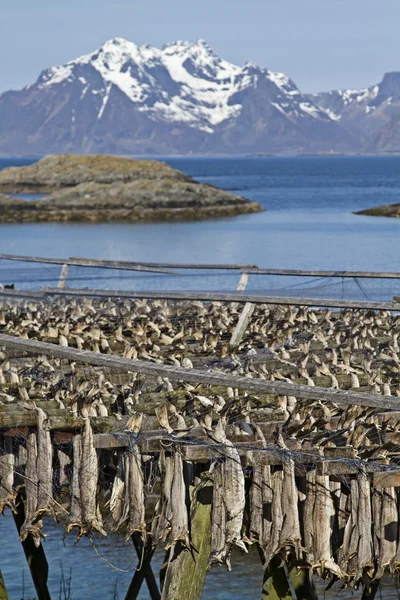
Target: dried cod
x,y
319,526
357,552
85,513
385,523
7,468
228,500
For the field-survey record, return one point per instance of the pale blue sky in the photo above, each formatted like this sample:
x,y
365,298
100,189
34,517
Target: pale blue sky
x,y
321,44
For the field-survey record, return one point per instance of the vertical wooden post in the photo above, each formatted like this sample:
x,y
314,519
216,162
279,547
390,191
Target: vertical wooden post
x,y
282,584
145,554
242,323
243,281
245,315
63,276
3,589
370,591
35,557
186,571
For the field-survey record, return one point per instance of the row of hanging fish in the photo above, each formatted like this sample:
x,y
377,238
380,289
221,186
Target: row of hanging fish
x,y
342,528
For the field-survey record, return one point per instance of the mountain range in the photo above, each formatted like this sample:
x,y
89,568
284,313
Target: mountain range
x,y
184,98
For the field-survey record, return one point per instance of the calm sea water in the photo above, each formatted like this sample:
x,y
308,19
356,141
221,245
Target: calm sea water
x,y
308,224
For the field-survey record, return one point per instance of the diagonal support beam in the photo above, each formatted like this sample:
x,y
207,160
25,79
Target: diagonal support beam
x,y
35,557
144,572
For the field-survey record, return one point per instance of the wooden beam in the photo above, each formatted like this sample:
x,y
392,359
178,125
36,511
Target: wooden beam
x,y
243,281
63,276
35,557
206,266
339,274
385,480
242,324
260,386
224,297
187,568
3,589
350,467
120,264
144,571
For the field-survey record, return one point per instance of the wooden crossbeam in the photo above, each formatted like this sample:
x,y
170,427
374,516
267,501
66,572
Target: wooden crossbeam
x,y
223,297
260,386
122,264
311,273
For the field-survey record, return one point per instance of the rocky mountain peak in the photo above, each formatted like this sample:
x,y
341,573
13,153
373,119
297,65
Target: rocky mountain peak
x,y
184,92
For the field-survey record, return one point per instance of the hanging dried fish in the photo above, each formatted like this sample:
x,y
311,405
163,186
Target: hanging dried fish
x,y
177,513
161,525
89,472
291,534
135,492
277,517
356,555
385,523
85,513
218,521
75,517
118,506
64,465
45,503
260,500
309,521
323,514
31,525
7,467
228,500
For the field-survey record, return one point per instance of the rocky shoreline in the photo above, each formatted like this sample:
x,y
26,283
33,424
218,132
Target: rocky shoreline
x,y
385,210
100,188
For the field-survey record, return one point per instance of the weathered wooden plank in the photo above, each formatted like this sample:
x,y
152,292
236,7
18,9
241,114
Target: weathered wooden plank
x,y
242,324
21,294
384,480
278,388
312,273
224,297
187,568
243,281
35,557
88,262
144,571
63,276
224,267
3,589
343,467
82,261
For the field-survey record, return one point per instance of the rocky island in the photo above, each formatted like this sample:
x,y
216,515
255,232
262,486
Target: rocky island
x,y
385,210
101,188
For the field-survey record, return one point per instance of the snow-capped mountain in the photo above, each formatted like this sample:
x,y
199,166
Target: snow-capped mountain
x,y
367,112
183,97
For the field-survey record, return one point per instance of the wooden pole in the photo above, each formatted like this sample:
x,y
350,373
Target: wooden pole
x,y
186,570
282,582
63,276
144,572
370,591
3,589
35,557
242,323
275,583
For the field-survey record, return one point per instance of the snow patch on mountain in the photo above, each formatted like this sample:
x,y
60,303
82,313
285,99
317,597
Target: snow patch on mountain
x,y
182,82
